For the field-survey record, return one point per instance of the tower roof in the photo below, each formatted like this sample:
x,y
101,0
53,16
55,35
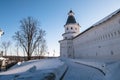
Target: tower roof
x,y
71,18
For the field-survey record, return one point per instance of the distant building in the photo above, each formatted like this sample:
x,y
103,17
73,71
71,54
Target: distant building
x,y
100,41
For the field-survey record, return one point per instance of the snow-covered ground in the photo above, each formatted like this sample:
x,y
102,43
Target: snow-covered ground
x,y
45,69
91,69
63,69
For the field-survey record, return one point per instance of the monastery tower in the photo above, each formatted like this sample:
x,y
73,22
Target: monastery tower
x,y
71,27
71,30
99,41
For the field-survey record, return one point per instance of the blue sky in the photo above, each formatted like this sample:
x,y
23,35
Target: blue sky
x,y
52,15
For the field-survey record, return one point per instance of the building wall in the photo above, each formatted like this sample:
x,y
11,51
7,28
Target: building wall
x,y
70,48
63,48
66,48
101,41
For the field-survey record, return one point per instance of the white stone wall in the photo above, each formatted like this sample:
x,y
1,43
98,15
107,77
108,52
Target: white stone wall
x,y
66,48
70,48
101,41
63,48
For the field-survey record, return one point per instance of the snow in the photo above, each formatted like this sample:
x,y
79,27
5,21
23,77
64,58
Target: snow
x,y
78,71
2,58
87,69
63,69
34,70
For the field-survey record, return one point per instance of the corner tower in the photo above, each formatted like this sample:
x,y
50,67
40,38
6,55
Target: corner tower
x,y
71,26
71,30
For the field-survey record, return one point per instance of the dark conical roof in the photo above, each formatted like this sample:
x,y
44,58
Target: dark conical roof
x,y
71,18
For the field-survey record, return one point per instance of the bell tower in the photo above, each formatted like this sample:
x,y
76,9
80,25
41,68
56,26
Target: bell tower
x,y
71,27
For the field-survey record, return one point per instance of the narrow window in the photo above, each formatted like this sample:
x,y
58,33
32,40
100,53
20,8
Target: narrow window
x,y
111,34
71,28
103,36
112,53
118,32
67,28
106,36
96,54
115,33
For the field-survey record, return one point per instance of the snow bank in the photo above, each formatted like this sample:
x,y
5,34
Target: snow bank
x,y
46,69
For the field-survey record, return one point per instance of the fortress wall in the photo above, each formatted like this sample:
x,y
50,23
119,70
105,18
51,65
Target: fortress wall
x,y
66,48
63,48
101,41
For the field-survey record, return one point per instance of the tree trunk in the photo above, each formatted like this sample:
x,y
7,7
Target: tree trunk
x,y
29,57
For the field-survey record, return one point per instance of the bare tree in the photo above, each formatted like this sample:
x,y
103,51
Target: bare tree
x,y
41,49
29,36
17,46
5,46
